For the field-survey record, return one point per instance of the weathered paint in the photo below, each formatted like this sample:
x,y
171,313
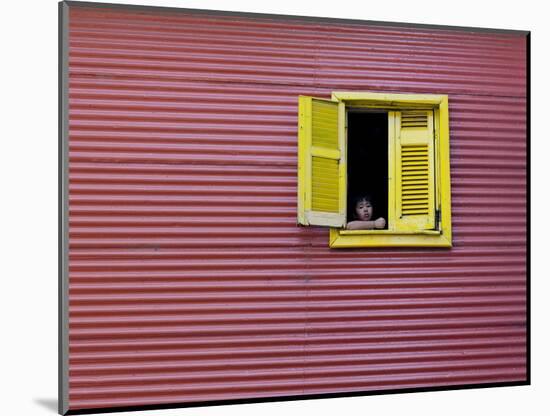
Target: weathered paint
x,y
189,279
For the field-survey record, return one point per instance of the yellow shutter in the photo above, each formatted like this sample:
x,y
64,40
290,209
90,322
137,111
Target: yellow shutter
x,y
415,171
321,163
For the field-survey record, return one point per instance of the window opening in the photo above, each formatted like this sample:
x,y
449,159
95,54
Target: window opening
x,y
367,145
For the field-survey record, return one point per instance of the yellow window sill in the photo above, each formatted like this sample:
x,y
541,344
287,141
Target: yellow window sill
x,y
387,238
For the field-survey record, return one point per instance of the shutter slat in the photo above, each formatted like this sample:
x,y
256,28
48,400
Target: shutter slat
x,y
320,167
325,171
415,171
415,176
412,119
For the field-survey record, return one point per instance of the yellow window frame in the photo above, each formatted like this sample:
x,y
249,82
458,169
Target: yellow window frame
x,y
441,236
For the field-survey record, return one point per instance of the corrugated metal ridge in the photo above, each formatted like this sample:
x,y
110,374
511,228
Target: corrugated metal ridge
x,y
501,137
275,66
171,90
254,26
169,12
172,50
95,31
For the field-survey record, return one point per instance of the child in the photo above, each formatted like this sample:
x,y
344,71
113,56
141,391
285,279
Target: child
x,y
362,214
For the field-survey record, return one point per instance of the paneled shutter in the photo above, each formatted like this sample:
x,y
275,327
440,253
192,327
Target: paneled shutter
x,y
415,171
321,163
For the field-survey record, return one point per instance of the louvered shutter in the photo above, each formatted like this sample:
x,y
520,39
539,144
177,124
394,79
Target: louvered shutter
x,y
321,163
415,171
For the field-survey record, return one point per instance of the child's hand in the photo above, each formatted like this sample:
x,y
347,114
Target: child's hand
x,y
380,223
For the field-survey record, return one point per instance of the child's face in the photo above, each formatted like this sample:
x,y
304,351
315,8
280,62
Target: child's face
x,y
363,210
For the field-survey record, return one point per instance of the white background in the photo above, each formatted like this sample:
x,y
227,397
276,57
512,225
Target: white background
x,y
29,196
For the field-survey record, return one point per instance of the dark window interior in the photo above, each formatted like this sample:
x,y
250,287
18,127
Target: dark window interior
x,y
368,160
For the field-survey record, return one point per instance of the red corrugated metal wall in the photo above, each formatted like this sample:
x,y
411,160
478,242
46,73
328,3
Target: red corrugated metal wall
x,y
189,279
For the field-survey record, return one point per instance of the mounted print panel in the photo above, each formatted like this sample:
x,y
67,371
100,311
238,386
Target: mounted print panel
x,y
185,277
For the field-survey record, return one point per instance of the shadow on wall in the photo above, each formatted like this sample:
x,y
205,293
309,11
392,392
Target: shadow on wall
x,y
49,404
